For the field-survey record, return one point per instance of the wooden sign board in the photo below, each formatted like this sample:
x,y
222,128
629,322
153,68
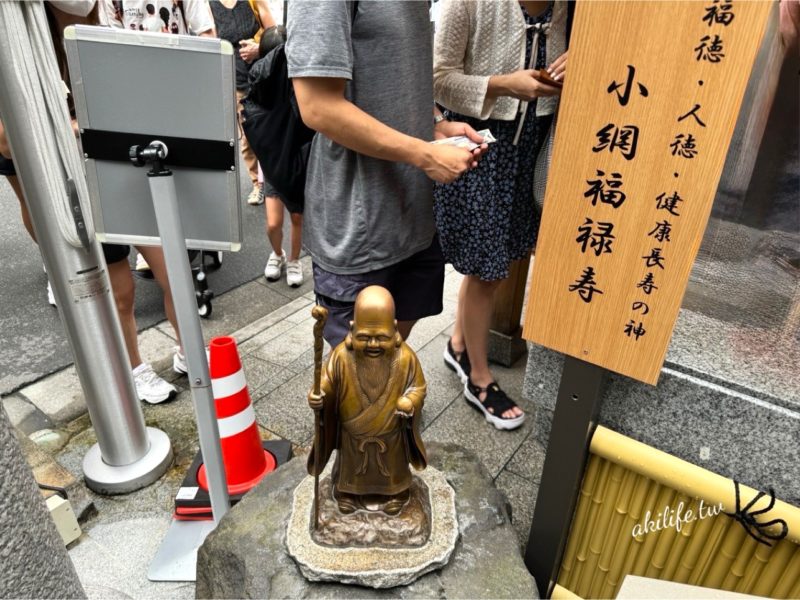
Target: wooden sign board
x,y
651,97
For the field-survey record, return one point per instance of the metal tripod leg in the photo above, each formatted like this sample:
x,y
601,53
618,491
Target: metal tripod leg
x,y
176,559
179,272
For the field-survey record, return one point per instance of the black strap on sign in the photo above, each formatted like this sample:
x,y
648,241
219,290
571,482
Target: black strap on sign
x,y
192,153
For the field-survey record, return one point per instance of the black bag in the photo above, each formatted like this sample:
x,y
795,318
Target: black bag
x,y
272,124
276,133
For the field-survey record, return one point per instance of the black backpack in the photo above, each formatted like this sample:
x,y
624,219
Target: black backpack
x,y
273,127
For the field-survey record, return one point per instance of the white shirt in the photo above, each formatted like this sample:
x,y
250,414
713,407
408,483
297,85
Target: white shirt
x,y
168,16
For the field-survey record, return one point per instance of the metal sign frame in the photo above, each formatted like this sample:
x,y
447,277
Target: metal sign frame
x,y
152,75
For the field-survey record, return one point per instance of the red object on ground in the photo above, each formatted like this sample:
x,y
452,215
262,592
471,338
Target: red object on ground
x,y
246,462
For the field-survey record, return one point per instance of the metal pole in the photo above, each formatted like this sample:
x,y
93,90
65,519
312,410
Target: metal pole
x,y
179,272
574,420
127,456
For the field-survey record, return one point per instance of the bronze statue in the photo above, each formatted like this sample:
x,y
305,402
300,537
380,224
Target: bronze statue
x,y
368,405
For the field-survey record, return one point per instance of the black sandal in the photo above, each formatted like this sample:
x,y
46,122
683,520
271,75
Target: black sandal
x,y
494,405
458,362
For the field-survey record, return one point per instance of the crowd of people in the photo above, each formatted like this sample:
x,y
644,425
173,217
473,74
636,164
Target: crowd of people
x,y
382,204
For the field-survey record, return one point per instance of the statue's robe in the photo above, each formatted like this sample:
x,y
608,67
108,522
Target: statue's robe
x,y
375,445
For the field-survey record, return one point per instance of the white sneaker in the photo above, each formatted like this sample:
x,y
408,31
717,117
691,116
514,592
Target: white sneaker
x,y
274,265
255,198
294,273
51,299
150,387
179,361
141,263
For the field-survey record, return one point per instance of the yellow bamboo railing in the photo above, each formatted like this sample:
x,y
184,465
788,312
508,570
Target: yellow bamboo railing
x,y
624,481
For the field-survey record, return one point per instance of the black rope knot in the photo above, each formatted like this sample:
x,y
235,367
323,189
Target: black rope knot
x,y
747,517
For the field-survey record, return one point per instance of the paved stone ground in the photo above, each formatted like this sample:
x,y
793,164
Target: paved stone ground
x,y
273,327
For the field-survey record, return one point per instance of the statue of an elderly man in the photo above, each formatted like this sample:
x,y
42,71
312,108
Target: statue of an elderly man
x,y
371,395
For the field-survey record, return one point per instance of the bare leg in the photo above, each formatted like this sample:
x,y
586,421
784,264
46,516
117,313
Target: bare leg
x,y
274,208
475,308
122,287
23,207
155,258
297,235
457,339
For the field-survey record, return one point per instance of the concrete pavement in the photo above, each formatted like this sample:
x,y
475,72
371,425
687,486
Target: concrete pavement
x,y
273,327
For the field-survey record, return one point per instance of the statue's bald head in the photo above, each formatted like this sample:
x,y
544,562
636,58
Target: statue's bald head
x,y
373,324
374,308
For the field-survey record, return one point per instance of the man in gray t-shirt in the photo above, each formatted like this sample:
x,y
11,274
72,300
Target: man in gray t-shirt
x,y
362,73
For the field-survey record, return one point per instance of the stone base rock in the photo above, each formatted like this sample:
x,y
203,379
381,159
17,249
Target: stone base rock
x,y
375,566
367,529
246,557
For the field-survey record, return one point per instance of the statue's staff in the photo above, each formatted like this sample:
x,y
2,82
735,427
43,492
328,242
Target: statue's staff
x,y
320,314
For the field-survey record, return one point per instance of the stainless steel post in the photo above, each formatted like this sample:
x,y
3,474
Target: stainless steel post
x,y
179,272
127,455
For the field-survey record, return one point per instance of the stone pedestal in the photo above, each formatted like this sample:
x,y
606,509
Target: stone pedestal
x,y
380,551
505,349
246,556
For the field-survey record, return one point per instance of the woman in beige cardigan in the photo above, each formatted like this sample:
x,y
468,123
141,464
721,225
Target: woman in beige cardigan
x,y
489,70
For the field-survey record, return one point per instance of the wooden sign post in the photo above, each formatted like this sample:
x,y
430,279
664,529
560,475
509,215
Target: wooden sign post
x,y
650,101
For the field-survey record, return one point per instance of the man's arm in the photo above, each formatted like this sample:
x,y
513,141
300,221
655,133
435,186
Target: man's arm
x,y
325,109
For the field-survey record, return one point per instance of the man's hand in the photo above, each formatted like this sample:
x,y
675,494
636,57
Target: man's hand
x,y
445,164
315,400
248,50
446,129
522,85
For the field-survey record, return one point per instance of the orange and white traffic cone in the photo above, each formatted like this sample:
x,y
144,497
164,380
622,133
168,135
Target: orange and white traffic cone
x,y
246,461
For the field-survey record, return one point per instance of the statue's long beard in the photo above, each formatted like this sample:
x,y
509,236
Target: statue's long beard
x,y
373,374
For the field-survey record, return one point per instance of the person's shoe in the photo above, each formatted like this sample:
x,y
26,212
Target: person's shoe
x,y
294,273
458,362
256,197
150,387
494,404
274,265
179,361
141,263
51,299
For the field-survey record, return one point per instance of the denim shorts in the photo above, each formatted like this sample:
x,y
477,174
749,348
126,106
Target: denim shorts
x,y
416,284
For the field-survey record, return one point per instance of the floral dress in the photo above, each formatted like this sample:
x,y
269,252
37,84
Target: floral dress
x,y
486,218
